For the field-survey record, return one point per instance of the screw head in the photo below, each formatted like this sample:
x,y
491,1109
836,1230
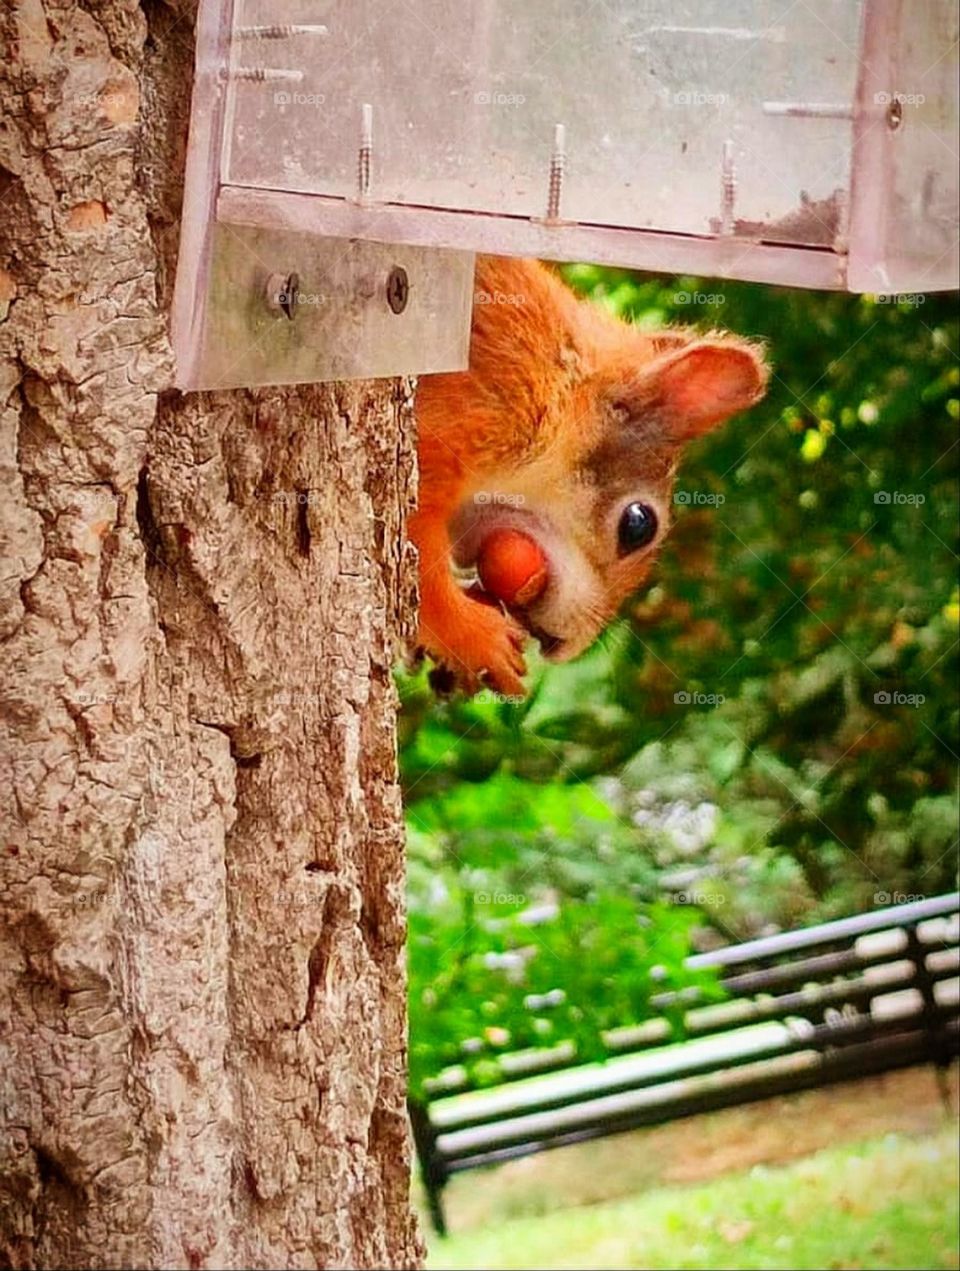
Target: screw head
x,y
290,295
282,293
398,289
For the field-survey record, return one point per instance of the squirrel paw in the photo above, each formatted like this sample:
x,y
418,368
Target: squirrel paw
x,y
488,654
503,665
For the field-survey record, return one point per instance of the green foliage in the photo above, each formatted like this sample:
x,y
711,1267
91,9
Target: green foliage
x,y
771,729
489,976
526,928
828,619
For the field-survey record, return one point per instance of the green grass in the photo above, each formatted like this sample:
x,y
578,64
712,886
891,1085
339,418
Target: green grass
x,y
889,1203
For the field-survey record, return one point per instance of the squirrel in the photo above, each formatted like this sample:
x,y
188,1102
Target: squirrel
x,y
565,433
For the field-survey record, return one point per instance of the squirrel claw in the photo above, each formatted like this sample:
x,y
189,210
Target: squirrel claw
x,y
504,672
493,660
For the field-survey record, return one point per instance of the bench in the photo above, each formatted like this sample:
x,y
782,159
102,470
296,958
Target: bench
x,y
802,1009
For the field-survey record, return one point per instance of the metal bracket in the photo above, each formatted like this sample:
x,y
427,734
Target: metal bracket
x,y
290,308
258,304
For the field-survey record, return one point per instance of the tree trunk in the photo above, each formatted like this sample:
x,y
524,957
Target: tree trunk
x,y
201,950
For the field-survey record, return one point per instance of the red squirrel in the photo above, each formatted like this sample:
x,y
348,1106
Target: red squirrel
x,y
568,428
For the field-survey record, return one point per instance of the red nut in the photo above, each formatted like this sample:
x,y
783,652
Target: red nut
x,y
512,566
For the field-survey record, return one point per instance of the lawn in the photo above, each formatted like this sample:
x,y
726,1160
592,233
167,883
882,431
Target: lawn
x,y
886,1203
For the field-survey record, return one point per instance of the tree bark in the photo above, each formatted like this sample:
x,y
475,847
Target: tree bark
x,y
201,946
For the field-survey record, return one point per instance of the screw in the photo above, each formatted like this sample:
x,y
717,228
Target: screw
x,y
728,188
895,114
264,74
398,289
279,31
366,150
809,110
558,162
290,295
283,291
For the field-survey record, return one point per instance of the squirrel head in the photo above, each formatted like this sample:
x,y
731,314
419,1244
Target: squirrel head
x,y
601,412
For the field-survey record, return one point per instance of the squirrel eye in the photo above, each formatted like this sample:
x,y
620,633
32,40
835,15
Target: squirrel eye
x,y
638,527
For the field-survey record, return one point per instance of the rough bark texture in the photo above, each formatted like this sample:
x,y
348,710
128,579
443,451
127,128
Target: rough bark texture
x,y
202,912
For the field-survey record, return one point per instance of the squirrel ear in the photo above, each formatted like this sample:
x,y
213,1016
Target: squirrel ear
x,y
707,382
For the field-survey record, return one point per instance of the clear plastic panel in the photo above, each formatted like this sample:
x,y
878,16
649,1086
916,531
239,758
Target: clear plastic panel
x,y
922,221
466,97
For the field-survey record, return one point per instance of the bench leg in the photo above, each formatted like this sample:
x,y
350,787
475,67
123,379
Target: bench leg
x,y
435,1201
431,1169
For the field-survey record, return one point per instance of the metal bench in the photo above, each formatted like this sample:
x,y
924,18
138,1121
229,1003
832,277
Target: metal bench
x,y
802,1009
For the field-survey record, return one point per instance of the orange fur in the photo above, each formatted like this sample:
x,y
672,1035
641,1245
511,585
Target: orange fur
x,y
565,415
